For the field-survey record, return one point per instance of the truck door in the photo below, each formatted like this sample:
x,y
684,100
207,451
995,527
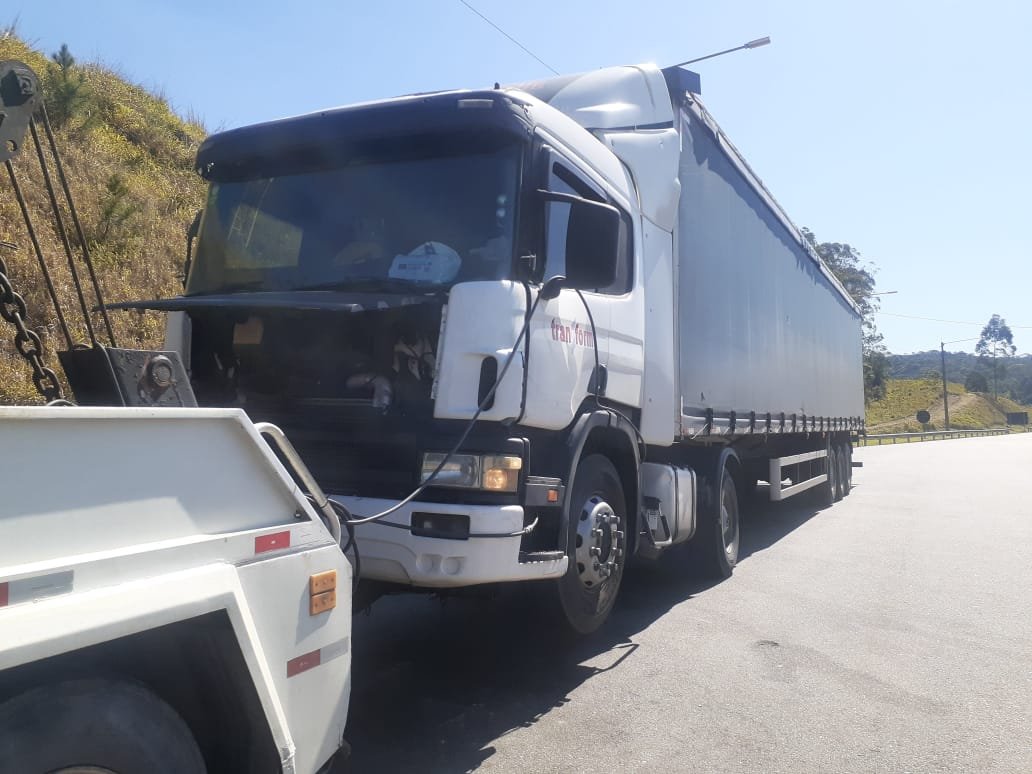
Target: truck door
x,y
562,357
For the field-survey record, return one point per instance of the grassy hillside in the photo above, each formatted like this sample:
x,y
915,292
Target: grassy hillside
x,y
1015,373
896,412
129,160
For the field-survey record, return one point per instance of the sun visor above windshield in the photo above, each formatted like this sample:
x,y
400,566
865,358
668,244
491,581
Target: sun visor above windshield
x,y
340,136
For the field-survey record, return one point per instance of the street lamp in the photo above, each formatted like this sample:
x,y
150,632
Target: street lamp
x,y
751,44
945,400
885,293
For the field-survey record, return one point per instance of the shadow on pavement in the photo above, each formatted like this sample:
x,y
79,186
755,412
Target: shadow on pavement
x,y
765,523
435,682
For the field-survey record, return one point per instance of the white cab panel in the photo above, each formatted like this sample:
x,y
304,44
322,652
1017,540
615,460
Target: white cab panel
x,y
562,358
652,155
616,97
660,418
482,320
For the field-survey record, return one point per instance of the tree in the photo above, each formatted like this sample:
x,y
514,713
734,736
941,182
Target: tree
x,y
66,92
1023,394
976,382
857,278
994,344
116,209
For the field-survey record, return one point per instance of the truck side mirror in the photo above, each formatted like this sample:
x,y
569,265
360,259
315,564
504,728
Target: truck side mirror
x,y
592,231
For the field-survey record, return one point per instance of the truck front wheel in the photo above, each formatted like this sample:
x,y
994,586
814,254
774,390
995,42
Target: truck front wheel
x,y
95,725
596,545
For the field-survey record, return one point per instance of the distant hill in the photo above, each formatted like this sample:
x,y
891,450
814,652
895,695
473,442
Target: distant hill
x,y
1016,382
129,160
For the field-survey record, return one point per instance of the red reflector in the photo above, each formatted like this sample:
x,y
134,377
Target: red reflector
x,y
273,542
4,596
303,663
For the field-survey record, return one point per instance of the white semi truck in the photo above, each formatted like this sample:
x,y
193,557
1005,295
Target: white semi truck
x,y
527,332
170,600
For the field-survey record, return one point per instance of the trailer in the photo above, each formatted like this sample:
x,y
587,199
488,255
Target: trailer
x,y
522,333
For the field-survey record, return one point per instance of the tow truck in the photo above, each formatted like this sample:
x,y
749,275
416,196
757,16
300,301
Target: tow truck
x,y
174,595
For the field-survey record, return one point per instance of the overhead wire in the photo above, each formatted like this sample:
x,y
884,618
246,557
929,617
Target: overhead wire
x,y
510,37
939,320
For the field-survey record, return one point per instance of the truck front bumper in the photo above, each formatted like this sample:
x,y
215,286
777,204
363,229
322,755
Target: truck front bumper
x,y
395,555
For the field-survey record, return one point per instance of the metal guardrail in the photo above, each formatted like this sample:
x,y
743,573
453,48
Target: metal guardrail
x,y
931,435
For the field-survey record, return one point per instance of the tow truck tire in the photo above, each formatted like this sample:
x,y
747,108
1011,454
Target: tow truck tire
x,y
596,502
95,724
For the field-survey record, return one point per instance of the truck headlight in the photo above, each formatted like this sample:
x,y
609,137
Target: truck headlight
x,y
461,470
493,472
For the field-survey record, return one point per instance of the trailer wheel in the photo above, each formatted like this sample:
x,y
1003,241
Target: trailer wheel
x,y
843,470
847,467
714,549
596,545
837,450
95,725
830,488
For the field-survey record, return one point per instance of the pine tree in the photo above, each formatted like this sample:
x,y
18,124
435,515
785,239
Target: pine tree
x,y
66,92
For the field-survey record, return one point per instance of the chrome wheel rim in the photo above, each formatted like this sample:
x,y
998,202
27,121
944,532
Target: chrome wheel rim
x,y
599,543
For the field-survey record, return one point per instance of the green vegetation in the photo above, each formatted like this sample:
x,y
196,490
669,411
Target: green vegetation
x,y
1013,373
129,160
896,412
905,397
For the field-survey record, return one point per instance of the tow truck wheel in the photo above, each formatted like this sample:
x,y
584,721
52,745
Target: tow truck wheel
x,y
596,545
95,725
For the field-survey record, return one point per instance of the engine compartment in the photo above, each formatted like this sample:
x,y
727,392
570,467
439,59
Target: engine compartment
x,y
378,361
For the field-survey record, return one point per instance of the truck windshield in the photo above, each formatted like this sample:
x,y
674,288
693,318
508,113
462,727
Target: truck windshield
x,y
407,216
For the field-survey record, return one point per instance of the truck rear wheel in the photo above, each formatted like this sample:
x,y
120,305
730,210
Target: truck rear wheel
x,y
830,489
596,545
846,452
95,725
714,549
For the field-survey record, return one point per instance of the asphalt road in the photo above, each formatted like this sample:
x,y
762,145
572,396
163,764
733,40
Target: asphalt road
x,y
891,632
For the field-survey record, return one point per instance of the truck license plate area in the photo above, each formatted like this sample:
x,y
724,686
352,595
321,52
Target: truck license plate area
x,y
448,526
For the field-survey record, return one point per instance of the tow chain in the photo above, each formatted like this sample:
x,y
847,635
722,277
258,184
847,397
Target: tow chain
x,y
26,340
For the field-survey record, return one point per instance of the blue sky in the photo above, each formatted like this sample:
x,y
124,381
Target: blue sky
x,y
899,127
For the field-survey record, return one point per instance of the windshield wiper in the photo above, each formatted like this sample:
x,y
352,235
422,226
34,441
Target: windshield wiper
x,y
375,283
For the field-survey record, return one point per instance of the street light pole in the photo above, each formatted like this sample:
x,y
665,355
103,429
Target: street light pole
x,y
751,44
